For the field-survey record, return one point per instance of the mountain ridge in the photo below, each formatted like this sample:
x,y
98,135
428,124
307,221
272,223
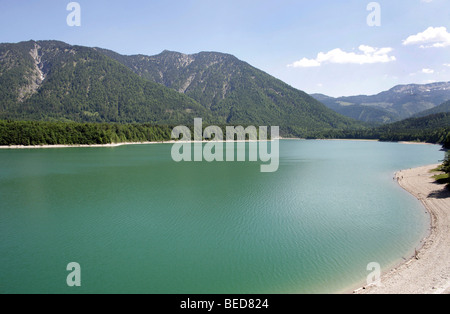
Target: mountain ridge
x,y
84,84
398,103
234,90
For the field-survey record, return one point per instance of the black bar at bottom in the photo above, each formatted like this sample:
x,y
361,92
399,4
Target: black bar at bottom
x,y
231,303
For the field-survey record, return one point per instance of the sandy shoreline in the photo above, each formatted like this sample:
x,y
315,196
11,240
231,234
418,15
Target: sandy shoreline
x,y
117,144
172,142
429,273
80,145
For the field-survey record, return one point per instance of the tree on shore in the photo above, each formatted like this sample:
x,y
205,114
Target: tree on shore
x,y
447,141
446,168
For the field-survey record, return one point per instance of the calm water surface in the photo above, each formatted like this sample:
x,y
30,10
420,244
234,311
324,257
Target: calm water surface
x,y
137,222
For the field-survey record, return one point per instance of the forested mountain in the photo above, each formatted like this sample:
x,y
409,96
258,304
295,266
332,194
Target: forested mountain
x,y
398,103
50,80
235,91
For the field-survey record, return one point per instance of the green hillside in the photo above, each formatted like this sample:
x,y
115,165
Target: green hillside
x,y
435,121
445,107
54,81
236,92
432,129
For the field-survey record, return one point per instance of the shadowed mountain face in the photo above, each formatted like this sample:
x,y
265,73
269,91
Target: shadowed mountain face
x,y
444,108
400,102
50,80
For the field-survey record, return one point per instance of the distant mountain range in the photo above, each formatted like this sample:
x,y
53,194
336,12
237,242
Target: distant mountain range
x,y
398,103
55,81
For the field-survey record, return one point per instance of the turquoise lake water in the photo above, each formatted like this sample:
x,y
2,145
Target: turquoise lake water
x,y
137,222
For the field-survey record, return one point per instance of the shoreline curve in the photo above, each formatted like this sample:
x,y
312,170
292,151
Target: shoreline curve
x,y
428,272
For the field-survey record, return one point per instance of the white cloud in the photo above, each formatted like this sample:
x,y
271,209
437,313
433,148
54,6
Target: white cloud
x,y
305,63
432,37
447,64
427,71
369,55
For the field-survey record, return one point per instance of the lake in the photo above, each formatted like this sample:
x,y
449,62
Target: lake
x,y
138,222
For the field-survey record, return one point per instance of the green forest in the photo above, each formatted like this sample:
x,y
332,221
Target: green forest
x,y
38,133
71,133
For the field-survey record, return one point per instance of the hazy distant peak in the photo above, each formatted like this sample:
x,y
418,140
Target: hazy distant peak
x,y
397,103
418,88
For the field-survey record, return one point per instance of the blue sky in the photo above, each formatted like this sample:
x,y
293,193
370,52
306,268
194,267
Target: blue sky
x,y
320,46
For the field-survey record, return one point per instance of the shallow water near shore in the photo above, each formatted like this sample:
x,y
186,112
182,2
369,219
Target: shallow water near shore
x,y
137,222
